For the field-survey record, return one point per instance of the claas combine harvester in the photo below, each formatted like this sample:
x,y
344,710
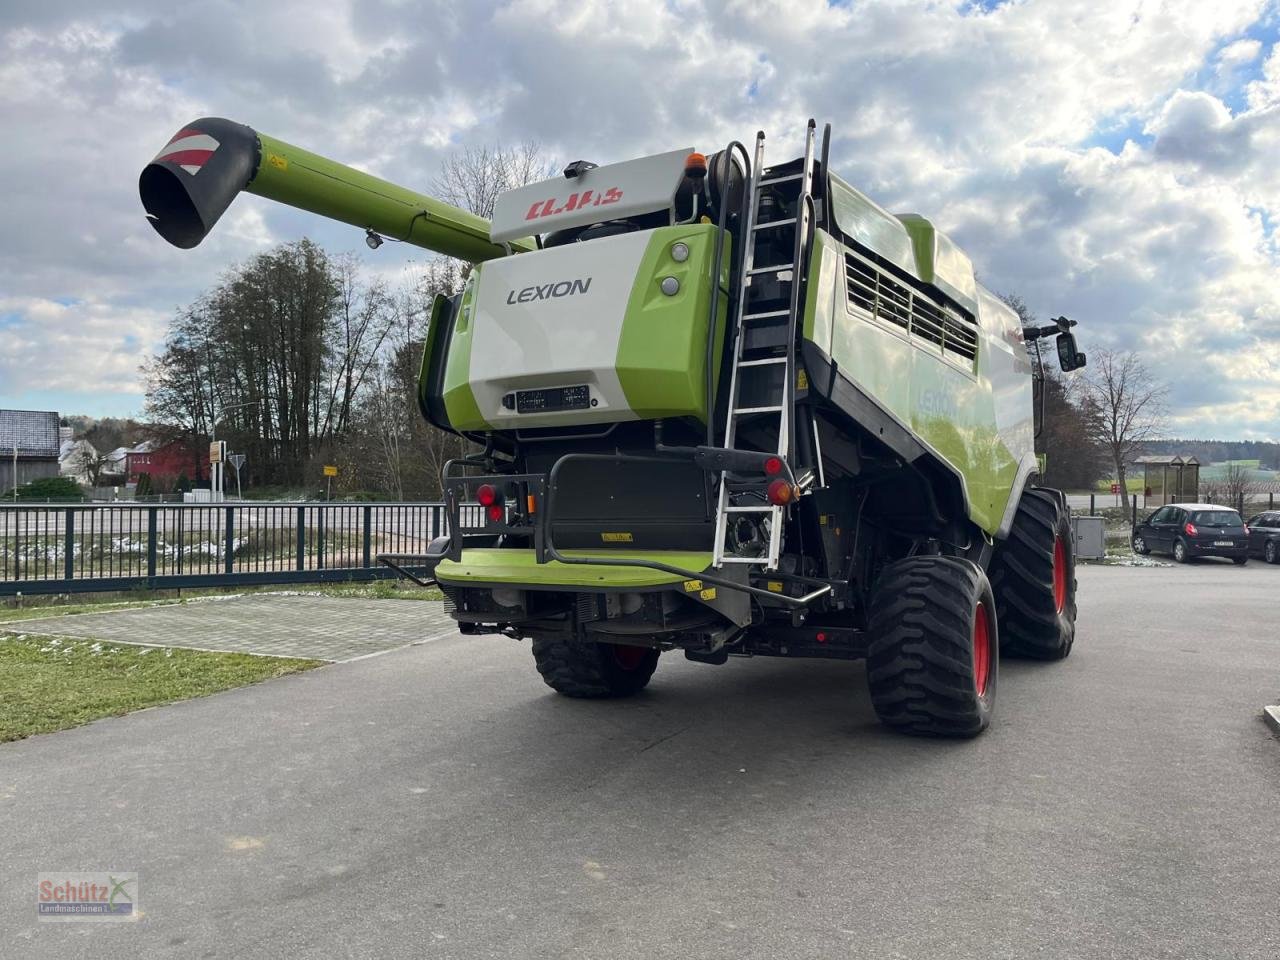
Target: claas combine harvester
x,y
720,406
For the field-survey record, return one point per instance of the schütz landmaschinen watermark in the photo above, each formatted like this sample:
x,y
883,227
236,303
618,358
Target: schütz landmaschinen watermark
x,y
104,895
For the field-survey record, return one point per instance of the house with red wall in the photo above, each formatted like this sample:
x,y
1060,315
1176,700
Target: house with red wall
x,y
166,462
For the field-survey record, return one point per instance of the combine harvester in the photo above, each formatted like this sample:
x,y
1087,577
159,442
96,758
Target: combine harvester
x,y
720,406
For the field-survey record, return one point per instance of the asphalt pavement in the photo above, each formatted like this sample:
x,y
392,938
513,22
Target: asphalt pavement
x,y
439,801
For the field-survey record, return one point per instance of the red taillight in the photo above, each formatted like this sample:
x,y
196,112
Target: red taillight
x,y
773,466
1190,529
780,493
487,495
497,512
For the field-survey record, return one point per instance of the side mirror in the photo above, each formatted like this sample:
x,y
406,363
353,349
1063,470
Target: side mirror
x,y
1069,358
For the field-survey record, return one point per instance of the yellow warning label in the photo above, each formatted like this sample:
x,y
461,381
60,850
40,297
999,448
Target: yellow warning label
x,y
802,381
277,161
616,537
692,586
775,586
822,519
708,594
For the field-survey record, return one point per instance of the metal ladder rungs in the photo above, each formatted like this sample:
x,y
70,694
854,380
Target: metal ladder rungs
x,y
774,223
743,410
777,268
764,362
766,315
752,509
785,178
744,559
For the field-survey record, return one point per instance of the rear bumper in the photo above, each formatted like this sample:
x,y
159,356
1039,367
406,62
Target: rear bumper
x,y
520,568
1208,549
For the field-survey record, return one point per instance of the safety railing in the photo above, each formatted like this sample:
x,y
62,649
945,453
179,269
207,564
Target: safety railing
x,y
114,546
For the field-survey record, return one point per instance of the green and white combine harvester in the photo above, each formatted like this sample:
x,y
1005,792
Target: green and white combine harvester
x,y
720,406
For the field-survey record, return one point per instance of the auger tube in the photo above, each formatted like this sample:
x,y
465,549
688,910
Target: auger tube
x,y
194,178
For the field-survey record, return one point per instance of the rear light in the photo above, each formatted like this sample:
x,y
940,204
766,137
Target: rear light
x,y
1191,530
780,493
773,466
487,495
497,512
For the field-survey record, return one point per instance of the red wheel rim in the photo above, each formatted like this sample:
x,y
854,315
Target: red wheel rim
x,y
1059,575
628,657
981,649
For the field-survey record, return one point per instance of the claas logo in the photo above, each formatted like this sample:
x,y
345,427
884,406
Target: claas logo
x,y
576,201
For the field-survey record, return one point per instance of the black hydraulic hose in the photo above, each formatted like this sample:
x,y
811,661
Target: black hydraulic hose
x,y
826,194
716,260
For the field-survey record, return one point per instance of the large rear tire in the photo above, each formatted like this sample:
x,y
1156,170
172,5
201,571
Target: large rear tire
x,y
933,655
587,670
1033,574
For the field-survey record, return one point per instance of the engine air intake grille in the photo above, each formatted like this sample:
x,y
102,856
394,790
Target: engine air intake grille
x,y
874,292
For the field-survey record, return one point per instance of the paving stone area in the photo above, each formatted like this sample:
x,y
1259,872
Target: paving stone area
x,y
319,628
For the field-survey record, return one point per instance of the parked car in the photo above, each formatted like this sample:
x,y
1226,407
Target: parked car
x,y
1264,536
1189,530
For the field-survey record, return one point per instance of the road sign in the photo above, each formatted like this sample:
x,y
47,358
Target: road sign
x,y
217,450
330,471
1115,488
236,460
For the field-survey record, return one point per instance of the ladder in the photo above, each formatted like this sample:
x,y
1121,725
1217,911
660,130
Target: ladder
x,y
778,403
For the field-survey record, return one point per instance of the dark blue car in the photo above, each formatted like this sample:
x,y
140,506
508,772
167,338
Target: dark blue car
x,y
1189,530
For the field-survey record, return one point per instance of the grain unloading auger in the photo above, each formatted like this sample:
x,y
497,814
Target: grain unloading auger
x,y
719,406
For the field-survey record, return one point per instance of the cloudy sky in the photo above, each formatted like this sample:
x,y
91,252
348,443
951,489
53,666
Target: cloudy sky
x,y
1114,160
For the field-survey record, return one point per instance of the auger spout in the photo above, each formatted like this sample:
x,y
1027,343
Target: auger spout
x,y
197,174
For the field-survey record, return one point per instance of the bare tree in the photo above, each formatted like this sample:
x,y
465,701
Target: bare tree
x,y
1130,407
474,178
1237,485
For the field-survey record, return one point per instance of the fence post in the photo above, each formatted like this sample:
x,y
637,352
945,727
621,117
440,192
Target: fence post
x,y
368,536
230,556
151,542
69,546
1135,511
301,530
1093,504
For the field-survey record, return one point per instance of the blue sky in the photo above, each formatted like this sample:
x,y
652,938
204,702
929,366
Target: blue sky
x,y
1113,160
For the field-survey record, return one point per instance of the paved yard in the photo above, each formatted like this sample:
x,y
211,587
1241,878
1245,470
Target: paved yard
x,y
314,627
440,802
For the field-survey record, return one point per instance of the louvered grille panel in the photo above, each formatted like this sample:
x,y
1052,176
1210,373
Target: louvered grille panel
x,y
874,292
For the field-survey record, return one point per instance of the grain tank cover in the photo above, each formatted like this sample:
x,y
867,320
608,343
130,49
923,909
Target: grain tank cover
x,y
612,192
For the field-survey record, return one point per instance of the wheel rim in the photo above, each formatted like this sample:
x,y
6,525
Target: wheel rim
x,y
1059,574
1179,551
1271,552
981,649
628,657
1138,544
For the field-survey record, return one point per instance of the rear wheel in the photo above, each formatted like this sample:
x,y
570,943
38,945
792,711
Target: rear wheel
x,y
580,668
1270,553
1179,552
1140,544
933,655
1033,574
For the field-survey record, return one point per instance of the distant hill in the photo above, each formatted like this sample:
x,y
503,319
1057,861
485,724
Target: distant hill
x,y
1264,455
